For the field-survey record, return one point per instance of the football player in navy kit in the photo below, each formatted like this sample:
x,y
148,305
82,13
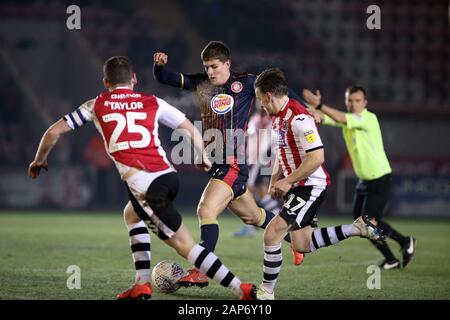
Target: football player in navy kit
x,y
225,99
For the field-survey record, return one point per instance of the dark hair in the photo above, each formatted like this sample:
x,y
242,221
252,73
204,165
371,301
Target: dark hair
x,y
118,69
272,80
354,89
216,50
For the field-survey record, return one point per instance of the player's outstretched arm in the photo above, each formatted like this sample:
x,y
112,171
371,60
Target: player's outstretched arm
x,y
334,114
48,141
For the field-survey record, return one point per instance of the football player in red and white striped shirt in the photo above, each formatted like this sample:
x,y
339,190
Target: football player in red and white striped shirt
x,y
300,178
128,123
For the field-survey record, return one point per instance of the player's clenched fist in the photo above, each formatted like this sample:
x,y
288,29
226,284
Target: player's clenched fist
x,y
160,58
35,168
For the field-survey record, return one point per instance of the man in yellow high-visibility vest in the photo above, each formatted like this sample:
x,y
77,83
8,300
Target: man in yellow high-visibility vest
x,y
364,142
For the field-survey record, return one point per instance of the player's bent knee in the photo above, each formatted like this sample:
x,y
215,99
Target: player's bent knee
x,y
205,211
129,215
270,237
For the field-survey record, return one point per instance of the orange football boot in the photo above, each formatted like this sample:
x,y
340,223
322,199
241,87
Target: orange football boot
x,y
194,278
298,257
248,291
137,292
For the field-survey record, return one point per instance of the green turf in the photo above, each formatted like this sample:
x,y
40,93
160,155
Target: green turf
x,y
36,249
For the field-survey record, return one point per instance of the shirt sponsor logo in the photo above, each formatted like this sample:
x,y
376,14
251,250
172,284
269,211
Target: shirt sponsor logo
x,y
222,103
125,95
310,136
236,87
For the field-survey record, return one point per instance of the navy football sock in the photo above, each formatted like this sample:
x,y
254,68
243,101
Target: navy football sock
x,y
209,234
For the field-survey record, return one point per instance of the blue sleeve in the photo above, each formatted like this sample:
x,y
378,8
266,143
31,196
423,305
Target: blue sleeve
x,y
292,94
176,79
165,76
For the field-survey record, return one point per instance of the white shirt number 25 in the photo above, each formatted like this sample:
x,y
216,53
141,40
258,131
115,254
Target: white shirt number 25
x,y
132,127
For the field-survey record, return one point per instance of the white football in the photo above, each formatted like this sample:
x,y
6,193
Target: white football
x,y
165,276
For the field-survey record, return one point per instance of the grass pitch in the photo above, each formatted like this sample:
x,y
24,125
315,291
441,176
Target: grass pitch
x,y
36,249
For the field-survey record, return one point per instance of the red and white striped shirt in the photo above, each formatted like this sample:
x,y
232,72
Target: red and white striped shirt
x,y
128,123
296,134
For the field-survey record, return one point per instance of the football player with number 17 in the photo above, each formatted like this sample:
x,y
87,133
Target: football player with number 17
x,y
300,179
